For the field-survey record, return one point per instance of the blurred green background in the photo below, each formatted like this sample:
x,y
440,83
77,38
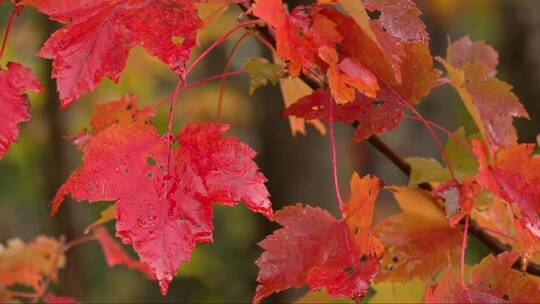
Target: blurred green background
x,y
298,168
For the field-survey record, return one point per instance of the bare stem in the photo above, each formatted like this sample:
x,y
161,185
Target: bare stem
x,y
407,105
265,42
445,131
78,241
463,250
197,83
334,157
170,137
216,43
225,70
14,14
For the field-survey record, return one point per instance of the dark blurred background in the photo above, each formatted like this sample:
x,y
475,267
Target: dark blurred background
x,y
298,168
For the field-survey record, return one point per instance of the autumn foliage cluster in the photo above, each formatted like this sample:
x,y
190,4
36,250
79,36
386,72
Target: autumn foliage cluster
x,y
362,63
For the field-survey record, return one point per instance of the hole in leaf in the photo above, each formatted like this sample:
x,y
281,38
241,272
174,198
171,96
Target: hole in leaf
x,y
377,103
506,297
374,14
348,271
151,161
395,259
356,229
177,39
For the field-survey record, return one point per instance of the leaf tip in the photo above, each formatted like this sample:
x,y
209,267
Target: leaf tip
x,y
164,286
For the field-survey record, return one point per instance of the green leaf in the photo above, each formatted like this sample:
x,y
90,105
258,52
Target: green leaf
x,y
463,163
424,170
261,71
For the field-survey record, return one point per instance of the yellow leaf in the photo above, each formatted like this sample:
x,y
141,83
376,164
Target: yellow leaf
x,y
421,227
321,296
419,203
411,292
26,264
106,216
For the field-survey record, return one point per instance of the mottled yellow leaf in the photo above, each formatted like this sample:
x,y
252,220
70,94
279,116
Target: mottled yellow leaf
x,y
26,264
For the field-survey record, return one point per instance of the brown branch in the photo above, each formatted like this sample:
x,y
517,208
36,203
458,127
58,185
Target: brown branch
x,y
378,144
490,241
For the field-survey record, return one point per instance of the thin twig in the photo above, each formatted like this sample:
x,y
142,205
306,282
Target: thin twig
x,y
225,70
170,137
334,157
78,241
215,44
434,135
196,83
447,132
463,250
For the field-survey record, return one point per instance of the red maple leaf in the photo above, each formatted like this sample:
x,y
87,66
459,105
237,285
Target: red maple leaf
x,y
99,35
400,18
315,248
373,117
13,103
164,198
312,248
